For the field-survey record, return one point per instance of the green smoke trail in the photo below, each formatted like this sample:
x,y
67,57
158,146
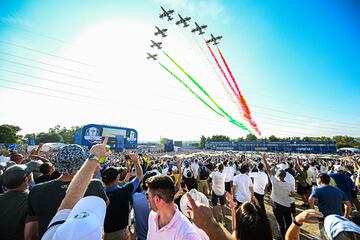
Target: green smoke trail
x,y
212,100
200,98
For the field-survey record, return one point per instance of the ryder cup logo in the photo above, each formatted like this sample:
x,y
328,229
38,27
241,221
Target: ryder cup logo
x,y
92,134
81,215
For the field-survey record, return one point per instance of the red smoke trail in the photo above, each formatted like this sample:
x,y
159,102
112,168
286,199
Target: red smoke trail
x,y
243,102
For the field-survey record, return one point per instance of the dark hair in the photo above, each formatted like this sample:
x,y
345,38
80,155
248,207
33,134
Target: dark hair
x,y
163,186
252,223
122,172
305,167
260,166
225,162
324,178
221,167
244,168
45,168
147,176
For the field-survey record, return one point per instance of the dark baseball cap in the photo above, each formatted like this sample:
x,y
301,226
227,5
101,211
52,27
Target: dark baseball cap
x,y
14,175
281,173
109,174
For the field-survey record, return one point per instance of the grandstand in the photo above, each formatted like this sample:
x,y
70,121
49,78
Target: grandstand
x,y
299,146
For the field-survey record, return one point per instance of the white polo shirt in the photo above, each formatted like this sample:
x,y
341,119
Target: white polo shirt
x,y
260,181
280,192
229,173
218,183
178,228
242,182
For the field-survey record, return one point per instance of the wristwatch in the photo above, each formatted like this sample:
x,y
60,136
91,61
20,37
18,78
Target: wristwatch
x,y
297,224
93,157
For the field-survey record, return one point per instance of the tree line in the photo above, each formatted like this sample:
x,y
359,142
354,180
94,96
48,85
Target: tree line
x,y
10,134
341,141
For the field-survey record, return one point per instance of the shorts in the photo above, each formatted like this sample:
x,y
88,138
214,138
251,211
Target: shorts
x,y
301,190
214,199
228,186
204,187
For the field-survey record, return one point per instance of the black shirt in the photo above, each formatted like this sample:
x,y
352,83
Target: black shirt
x,y
43,178
45,199
117,213
13,208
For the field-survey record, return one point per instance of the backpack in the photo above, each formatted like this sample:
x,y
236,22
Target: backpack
x,y
204,173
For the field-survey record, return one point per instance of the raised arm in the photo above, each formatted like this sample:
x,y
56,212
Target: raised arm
x,y
79,184
179,162
138,169
293,232
267,168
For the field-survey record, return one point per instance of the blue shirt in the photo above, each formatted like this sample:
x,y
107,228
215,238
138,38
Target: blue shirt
x,y
329,199
117,213
344,183
142,211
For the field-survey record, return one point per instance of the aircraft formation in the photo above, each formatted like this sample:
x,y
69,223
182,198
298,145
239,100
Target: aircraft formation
x,y
184,21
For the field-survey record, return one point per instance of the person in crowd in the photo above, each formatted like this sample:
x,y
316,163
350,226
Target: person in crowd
x,y
243,190
229,172
343,182
189,178
260,182
195,168
330,200
142,208
318,171
290,179
281,198
117,213
46,169
80,217
203,178
13,203
303,188
336,227
218,191
45,199
166,222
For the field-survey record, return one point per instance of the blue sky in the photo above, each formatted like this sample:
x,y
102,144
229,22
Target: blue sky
x,y
297,63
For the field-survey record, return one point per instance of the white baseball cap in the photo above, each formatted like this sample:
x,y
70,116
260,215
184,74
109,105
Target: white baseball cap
x,y
85,221
335,224
197,196
282,166
338,168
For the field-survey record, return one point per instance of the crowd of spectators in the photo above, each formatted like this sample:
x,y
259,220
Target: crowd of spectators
x,y
67,193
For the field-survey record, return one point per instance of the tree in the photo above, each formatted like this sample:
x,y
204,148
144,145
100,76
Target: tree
x,y
163,140
220,138
68,135
307,139
202,141
345,141
239,139
15,128
251,137
49,137
272,138
324,139
7,134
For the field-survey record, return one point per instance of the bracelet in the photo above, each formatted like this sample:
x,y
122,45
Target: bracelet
x,y
297,224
